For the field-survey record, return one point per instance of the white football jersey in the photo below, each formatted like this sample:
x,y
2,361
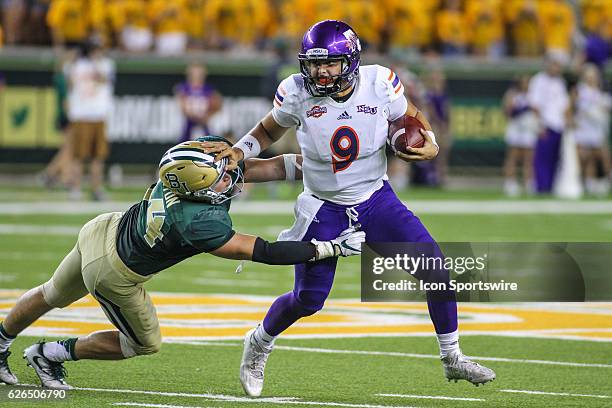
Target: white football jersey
x,y
343,144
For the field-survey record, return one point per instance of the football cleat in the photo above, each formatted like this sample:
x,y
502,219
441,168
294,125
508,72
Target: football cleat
x,y
51,373
5,372
252,365
459,367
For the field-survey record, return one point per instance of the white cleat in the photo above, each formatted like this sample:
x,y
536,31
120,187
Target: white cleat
x,y
459,367
5,372
252,365
51,373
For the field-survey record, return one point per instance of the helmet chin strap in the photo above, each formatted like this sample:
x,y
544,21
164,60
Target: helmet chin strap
x,y
349,92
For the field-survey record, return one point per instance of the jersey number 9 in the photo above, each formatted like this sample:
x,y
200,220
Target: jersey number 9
x,y
345,148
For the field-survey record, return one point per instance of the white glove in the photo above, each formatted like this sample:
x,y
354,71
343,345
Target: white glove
x,y
348,243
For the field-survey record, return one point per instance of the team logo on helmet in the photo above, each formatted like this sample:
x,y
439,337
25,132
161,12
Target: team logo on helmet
x,y
353,41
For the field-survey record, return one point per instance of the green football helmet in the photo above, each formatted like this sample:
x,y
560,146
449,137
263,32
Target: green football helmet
x,y
190,171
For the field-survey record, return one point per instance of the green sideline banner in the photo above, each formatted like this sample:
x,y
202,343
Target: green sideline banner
x,y
477,120
27,118
146,116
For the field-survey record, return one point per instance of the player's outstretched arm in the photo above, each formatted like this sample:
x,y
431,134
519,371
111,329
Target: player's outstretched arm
x,y
283,167
256,249
266,132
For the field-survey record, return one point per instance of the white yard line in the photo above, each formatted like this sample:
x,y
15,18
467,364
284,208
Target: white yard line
x,y
560,394
26,229
286,207
141,404
231,398
438,397
398,354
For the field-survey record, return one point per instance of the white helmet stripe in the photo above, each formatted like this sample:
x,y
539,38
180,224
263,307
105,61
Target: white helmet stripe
x,y
196,155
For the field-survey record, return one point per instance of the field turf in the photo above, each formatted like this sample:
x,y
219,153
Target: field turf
x,y
356,370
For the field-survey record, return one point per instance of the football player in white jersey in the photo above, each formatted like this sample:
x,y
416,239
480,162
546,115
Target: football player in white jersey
x,y
341,112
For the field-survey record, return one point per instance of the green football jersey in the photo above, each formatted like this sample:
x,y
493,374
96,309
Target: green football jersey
x,y
164,229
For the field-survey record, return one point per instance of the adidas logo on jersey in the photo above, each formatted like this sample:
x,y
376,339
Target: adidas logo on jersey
x,y
345,115
249,145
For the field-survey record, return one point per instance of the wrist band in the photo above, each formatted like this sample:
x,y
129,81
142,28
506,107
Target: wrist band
x,y
249,145
433,138
290,166
324,249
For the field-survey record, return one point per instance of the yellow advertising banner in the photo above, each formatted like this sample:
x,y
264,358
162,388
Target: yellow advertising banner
x,y
27,117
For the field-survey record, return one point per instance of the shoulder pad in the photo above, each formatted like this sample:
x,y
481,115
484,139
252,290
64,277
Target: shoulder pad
x,y
289,92
389,83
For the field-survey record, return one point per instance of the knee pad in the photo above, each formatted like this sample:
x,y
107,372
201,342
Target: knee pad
x,y
129,348
310,301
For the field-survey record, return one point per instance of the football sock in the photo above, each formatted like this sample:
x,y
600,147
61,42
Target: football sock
x,y
448,342
443,314
60,351
5,339
263,339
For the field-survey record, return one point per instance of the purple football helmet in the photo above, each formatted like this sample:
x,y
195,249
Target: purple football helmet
x,y
330,40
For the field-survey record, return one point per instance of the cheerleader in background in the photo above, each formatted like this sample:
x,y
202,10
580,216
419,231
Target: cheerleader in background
x,y
592,123
521,135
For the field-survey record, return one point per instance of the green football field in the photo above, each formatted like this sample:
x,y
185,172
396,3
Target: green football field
x,y
351,355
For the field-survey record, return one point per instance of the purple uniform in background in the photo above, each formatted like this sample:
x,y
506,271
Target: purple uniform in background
x,y
547,94
425,172
439,102
197,104
546,159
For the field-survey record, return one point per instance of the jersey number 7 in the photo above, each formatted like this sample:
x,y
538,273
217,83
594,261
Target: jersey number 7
x,y
344,145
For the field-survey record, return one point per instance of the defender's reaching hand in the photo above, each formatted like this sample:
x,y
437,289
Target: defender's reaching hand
x,y
348,243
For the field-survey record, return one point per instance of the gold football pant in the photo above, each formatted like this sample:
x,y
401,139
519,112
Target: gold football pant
x,y
94,266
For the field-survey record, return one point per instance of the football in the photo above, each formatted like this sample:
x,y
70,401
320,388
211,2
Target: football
x,y
404,132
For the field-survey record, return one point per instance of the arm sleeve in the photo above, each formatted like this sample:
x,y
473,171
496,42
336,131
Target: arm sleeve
x,y
284,106
284,119
210,229
283,252
397,108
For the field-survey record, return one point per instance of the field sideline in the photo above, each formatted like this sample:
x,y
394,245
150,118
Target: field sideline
x,y
350,355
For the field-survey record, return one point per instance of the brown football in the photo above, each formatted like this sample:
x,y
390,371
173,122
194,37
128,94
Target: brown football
x,y
404,132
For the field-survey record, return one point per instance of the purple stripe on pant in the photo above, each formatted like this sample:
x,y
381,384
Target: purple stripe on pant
x,y
384,219
546,160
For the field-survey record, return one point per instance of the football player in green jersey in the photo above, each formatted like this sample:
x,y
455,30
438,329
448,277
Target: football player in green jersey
x,y
185,213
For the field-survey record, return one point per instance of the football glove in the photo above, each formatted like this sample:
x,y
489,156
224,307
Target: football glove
x,y
348,243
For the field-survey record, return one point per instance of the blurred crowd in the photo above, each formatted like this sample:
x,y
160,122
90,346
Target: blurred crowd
x,y
490,28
